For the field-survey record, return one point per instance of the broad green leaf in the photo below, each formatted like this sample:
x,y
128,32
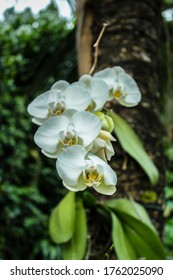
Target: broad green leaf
x,y
133,146
75,248
130,207
122,246
143,250
62,219
148,235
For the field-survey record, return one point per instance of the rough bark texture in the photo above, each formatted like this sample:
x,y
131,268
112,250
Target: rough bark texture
x,y
131,41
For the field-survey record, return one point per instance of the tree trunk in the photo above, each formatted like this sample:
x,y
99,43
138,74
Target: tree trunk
x,y
131,40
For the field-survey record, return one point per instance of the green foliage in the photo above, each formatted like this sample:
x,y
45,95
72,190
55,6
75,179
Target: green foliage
x,y
75,249
133,234
133,146
68,227
168,211
170,2
34,53
62,219
123,248
129,206
24,231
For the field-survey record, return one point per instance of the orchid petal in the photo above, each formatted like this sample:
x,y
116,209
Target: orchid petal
x,y
39,106
109,151
87,126
107,75
81,186
47,135
60,85
77,98
70,164
118,70
110,177
130,89
98,89
69,113
38,121
53,155
105,189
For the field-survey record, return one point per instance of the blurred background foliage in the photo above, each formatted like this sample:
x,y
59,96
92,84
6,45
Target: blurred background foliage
x,y
166,85
36,51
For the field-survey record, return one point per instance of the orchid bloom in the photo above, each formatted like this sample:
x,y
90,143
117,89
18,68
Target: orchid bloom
x,y
80,170
98,90
69,129
121,86
102,148
59,98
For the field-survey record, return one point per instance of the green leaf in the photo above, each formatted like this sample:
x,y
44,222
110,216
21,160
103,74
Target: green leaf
x,y
62,219
133,146
130,207
138,228
75,249
144,232
122,246
143,249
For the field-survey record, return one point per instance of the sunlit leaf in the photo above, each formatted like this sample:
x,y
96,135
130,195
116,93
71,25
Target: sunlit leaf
x,y
133,146
142,230
130,207
141,247
122,246
137,228
62,219
75,248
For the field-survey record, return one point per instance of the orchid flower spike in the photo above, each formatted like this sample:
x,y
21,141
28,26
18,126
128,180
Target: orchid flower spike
x,y
80,170
121,86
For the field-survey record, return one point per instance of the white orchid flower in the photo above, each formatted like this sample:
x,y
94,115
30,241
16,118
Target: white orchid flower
x,y
102,148
69,129
121,86
59,98
98,90
80,170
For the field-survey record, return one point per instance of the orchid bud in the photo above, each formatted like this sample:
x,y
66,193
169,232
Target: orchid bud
x,y
106,121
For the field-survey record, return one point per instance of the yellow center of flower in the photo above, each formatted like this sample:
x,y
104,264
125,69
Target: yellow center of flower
x,y
92,177
70,142
117,94
57,110
90,107
70,138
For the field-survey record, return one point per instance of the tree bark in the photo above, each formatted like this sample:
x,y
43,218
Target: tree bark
x,y
132,41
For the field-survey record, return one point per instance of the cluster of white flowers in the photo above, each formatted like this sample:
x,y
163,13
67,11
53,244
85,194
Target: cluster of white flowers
x,y
73,129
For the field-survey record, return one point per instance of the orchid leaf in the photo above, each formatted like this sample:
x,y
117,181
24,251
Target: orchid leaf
x,y
75,248
134,147
122,246
142,248
62,219
143,232
130,207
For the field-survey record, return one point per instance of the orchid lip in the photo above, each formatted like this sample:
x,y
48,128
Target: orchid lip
x,y
58,109
91,176
70,138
